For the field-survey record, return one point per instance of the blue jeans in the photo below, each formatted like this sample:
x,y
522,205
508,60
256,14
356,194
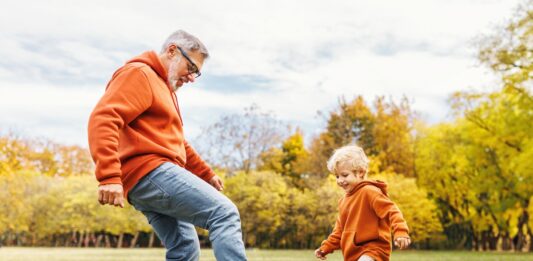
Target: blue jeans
x,y
175,200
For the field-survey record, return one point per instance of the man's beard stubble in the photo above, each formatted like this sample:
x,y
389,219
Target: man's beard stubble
x,y
172,71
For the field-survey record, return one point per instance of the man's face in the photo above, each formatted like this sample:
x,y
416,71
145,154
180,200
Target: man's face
x,y
181,70
347,177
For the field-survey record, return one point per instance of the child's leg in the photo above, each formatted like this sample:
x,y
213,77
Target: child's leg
x,y
365,258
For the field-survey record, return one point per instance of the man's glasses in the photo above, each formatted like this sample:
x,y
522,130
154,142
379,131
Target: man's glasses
x,y
193,69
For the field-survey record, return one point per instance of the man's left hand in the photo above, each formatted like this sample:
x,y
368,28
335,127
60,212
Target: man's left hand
x,y
217,183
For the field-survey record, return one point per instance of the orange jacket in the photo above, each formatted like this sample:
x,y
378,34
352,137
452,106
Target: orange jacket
x,y
137,125
364,223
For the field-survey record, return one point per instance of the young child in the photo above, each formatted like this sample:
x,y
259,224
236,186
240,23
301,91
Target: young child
x,y
366,214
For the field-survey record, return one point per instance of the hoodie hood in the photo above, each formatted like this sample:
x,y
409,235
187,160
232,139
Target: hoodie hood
x,y
377,183
151,59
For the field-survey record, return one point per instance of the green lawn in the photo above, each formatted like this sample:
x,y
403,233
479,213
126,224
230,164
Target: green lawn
x,y
86,254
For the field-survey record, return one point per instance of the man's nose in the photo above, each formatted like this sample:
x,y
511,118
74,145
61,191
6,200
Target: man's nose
x,y
190,77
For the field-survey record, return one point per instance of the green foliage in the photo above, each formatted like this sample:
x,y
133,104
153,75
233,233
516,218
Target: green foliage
x,y
419,211
384,131
470,179
289,160
252,193
43,157
275,214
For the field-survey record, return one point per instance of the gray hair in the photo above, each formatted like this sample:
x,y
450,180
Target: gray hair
x,y
186,41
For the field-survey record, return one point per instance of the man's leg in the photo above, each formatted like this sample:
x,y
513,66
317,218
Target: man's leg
x,y
173,191
180,238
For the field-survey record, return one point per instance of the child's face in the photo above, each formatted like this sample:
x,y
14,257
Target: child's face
x,y
347,177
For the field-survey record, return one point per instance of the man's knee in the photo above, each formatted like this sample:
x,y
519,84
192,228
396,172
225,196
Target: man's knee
x,y
225,215
230,209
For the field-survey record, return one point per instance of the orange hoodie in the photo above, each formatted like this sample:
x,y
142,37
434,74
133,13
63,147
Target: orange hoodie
x,y
364,223
136,126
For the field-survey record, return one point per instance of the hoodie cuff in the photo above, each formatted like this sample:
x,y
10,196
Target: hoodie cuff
x,y
112,180
325,249
398,234
207,177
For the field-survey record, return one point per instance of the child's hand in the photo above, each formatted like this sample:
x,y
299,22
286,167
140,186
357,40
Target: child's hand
x,y
402,242
320,254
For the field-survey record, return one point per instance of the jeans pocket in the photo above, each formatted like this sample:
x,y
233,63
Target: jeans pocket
x,y
149,196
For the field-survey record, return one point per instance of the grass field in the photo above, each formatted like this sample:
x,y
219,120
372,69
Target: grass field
x,y
85,254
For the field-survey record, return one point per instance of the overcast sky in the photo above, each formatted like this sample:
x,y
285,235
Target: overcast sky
x,y
292,58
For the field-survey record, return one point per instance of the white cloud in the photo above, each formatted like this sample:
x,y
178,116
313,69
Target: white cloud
x,y
46,111
58,55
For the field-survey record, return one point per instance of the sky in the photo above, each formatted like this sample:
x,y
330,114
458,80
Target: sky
x,y
290,58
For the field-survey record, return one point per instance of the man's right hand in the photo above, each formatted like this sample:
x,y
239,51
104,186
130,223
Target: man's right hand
x,y
320,255
112,194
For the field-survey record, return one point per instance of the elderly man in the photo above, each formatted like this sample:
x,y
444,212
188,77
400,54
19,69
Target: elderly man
x,y
136,140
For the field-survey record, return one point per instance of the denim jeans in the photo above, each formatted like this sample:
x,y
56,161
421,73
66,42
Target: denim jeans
x,y
175,200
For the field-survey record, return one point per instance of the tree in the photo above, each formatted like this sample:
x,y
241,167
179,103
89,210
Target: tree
x,y
261,200
419,212
500,126
351,122
236,141
289,160
393,136
384,131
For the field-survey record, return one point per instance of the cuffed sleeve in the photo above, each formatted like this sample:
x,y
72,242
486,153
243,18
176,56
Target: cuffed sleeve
x,y
385,208
196,165
127,95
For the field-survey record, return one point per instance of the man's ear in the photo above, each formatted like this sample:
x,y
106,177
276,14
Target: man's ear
x,y
171,50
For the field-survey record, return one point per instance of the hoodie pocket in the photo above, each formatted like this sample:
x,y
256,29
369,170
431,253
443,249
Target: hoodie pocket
x,y
369,233
347,243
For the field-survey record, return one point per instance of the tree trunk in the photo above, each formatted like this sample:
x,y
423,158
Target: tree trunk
x,y
71,239
107,241
530,232
134,240
506,241
87,240
33,239
80,240
522,223
151,240
475,242
93,238
120,238
98,240
484,241
493,240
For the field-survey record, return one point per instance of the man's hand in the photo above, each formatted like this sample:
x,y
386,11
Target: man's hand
x,y
319,254
217,183
402,242
112,194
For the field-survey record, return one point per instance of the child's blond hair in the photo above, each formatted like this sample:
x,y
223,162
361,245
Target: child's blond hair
x,y
352,154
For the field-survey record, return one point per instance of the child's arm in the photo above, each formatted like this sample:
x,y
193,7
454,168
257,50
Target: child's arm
x,y
385,208
334,239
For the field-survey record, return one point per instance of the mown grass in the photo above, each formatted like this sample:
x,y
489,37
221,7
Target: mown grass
x,y
85,254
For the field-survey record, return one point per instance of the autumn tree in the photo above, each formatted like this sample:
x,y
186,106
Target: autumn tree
x,y
289,160
384,130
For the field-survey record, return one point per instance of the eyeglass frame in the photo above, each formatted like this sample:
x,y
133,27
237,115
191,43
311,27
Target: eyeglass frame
x,y
193,65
